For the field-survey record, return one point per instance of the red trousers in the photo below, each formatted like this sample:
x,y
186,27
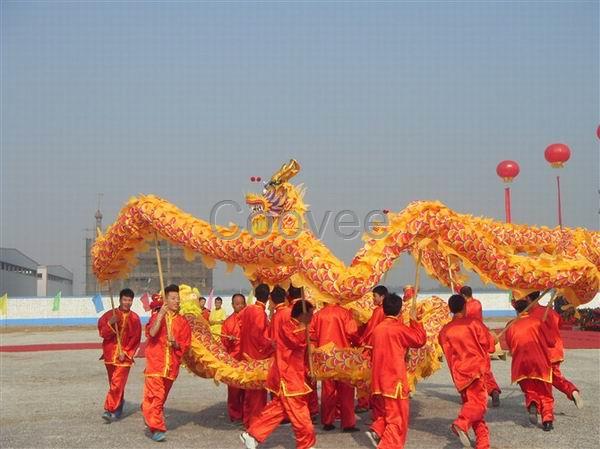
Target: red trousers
x,y
393,426
490,382
295,408
539,393
472,413
312,398
117,378
336,394
377,407
561,383
156,390
362,398
254,402
235,403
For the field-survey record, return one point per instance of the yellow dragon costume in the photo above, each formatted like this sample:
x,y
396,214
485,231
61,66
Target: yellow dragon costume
x,y
280,248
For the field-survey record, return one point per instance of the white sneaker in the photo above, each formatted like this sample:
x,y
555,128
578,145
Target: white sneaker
x,y
577,399
373,437
248,440
462,435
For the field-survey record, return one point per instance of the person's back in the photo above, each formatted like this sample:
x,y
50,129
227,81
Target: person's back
x,y
335,324
553,321
529,347
467,344
253,331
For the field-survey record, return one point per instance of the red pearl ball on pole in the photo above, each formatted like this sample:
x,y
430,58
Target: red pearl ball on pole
x,y
557,154
507,170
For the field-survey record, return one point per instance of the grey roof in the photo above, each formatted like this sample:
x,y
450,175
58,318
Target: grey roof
x,y
60,271
16,257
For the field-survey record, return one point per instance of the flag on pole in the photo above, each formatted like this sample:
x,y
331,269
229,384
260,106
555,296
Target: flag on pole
x,y
4,304
145,298
209,301
97,300
56,302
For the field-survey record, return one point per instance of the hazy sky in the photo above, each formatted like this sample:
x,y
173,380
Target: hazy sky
x,y
382,104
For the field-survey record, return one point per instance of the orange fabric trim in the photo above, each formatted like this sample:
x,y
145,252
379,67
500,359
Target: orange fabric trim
x,y
549,380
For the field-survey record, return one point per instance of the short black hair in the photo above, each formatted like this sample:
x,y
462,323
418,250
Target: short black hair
x,y
294,292
466,291
238,294
278,295
381,290
126,292
392,304
456,303
171,288
533,295
218,298
201,298
262,292
520,305
298,308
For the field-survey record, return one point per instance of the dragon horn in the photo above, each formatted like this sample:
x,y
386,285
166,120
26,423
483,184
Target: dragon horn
x,y
286,172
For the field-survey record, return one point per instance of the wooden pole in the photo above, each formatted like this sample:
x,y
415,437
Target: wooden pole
x,y
531,304
550,304
162,281
308,347
413,311
112,305
450,276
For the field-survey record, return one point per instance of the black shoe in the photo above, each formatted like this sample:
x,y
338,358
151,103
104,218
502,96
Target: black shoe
x,y
495,398
548,426
328,427
533,419
360,410
350,429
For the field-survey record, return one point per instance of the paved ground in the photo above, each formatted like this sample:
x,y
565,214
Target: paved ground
x,y
54,399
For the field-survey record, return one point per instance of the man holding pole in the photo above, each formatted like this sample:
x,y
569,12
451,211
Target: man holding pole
x,y
286,380
557,353
121,331
168,337
474,310
529,342
230,338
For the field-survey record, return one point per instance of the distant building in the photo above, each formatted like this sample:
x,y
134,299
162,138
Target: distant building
x,y
20,275
144,277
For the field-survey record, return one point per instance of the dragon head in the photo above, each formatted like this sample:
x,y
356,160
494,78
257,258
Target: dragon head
x,y
281,205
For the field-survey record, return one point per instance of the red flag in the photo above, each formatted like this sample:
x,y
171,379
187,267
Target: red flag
x,y
145,301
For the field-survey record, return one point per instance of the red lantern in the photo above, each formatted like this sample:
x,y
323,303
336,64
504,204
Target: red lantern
x,y
557,154
508,170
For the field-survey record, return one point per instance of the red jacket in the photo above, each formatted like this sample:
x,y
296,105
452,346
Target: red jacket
x,y
231,328
553,321
474,309
467,344
376,318
334,323
282,313
528,341
287,372
254,329
390,341
162,360
130,332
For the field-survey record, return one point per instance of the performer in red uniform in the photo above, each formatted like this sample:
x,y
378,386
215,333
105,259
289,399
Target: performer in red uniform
x,y
294,295
230,338
556,354
528,341
390,341
286,380
374,402
473,309
255,344
205,311
118,353
168,337
467,343
335,324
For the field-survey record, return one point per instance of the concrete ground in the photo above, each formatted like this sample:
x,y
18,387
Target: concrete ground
x,y
54,399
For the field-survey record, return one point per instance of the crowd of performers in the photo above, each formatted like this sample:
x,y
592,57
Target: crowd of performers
x,y
290,393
